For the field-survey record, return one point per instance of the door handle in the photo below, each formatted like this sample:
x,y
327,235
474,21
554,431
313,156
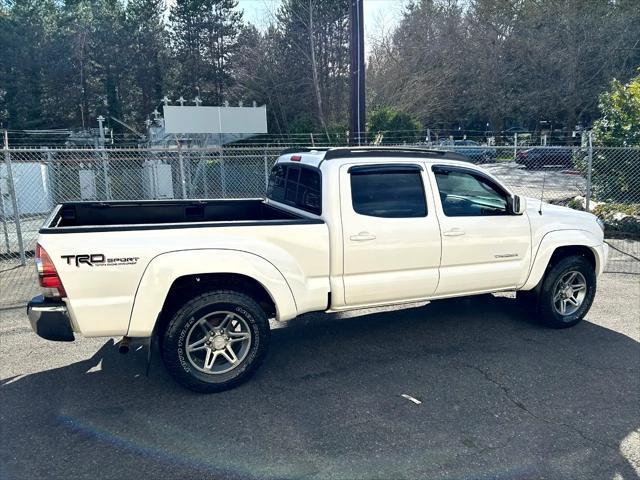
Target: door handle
x,y
454,232
362,237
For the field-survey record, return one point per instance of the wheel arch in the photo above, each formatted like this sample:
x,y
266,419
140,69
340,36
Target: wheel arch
x,y
561,244
172,278
190,286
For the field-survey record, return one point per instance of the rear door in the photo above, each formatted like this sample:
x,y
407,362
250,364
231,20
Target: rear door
x,y
484,245
391,237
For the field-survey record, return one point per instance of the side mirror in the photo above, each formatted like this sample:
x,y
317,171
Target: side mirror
x,y
518,205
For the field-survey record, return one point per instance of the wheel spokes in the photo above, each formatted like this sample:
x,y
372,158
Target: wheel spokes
x,y
197,345
578,287
206,327
571,278
229,354
238,336
570,293
563,306
225,322
210,358
221,342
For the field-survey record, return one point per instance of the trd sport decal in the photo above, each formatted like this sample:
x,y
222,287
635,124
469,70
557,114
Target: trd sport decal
x,y
98,260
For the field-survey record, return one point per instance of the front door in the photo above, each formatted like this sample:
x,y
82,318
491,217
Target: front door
x,y
484,245
391,237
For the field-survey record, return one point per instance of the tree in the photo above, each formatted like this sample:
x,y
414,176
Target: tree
x,y
395,126
615,176
314,50
259,74
503,62
419,67
27,28
619,124
205,38
147,57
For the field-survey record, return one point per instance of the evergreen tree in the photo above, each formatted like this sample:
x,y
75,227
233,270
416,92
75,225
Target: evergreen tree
x,y
205,38
147,55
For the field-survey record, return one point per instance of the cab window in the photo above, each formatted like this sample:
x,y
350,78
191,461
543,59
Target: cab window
x,y
388,191
467,194
299,186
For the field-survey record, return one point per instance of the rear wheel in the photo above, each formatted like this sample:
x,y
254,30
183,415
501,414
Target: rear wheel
x,y
215,341
567,292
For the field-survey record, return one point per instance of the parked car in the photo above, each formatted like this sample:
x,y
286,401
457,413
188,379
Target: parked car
x,y
471,149
539,157
340,229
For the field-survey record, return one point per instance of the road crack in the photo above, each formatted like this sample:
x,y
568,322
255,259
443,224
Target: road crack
x,y
521,406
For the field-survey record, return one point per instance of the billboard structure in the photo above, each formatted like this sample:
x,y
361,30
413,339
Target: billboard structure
x,y
216,120
207,126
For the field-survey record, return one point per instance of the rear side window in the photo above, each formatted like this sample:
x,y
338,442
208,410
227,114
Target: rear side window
x,y
299,186
388,192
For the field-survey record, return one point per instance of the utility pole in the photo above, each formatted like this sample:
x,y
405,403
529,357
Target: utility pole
x,y
357,119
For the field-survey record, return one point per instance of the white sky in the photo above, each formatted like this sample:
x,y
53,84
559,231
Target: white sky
x,y
380,16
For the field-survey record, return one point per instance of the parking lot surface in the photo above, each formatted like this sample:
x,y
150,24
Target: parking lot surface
x,y
501,397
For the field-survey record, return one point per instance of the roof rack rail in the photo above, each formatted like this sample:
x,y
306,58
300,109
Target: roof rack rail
x,y
355,152
367,151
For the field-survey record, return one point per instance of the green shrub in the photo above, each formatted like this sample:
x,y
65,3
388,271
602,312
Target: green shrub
x,y
616,173
394,125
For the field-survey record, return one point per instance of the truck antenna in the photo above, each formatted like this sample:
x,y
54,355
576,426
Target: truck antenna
x,y
544,178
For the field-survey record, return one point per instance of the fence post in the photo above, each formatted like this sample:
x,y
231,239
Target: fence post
x,y
3,212
105,164
183,182
266,171
515,146
14,199
589,168
105,173
223,173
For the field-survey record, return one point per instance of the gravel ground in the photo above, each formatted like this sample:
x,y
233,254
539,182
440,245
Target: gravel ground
x,y
501,397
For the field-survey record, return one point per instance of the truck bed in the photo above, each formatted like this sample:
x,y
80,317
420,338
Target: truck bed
x,y
153,214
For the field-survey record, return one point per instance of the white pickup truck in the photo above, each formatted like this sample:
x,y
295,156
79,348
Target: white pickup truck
x,y
341,228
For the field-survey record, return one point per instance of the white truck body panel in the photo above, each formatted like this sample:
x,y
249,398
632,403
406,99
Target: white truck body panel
x,y
101,298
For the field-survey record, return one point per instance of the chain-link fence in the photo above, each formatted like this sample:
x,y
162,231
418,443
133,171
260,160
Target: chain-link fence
x,y
32,181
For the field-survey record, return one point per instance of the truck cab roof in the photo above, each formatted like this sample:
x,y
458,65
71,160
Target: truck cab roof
x,y
316,156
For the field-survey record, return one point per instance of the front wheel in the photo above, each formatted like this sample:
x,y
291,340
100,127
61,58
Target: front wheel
x,y
215,341
567,292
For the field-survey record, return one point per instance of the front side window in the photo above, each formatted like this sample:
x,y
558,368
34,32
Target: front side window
x,y
465,194
296,185
395,192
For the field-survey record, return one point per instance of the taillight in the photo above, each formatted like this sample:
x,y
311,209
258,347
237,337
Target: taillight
x,y
296,158
48,275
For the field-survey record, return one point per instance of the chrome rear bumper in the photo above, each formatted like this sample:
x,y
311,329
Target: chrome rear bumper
x,y
49,319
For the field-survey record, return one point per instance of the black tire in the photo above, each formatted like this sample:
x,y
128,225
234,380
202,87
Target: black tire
x,y
547,312
173,341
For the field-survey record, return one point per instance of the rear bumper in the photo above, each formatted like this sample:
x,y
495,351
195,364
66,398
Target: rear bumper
x,y
49,319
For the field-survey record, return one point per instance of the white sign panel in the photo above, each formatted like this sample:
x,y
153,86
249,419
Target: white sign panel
x,y
215,119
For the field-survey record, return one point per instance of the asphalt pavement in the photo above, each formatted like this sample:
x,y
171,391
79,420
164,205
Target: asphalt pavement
x,y
501,397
